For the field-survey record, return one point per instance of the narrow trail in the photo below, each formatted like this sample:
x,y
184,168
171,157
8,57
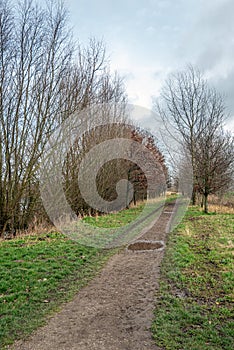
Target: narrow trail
x,y
115,310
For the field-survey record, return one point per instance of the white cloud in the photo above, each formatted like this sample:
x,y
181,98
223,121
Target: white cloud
x,y
148,39
142,79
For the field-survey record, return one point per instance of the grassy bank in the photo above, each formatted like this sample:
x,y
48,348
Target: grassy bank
x,y
126,216
117,219
195,302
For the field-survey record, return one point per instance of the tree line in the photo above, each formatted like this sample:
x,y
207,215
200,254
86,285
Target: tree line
x,y
44,78
195,113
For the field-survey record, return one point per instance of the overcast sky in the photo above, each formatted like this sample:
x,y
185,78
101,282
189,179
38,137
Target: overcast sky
x,y
146,40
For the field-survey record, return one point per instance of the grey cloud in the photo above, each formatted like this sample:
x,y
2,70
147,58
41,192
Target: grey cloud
x,y
215,33
225,85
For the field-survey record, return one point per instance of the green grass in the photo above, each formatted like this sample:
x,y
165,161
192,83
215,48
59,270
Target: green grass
x,y
118,219
122,217
194,308
38,274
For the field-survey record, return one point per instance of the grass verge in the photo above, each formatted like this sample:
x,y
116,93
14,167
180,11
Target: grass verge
x,y
194,308
117,219
125,216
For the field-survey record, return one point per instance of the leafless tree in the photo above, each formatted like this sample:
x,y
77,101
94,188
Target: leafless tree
x,y
189,109
109,174
44,78
214,159
35,51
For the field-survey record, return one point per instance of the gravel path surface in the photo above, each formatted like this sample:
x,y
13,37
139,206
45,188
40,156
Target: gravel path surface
x,y
115,311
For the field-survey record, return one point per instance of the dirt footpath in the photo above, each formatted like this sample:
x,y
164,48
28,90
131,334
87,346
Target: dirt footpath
x,y
115,311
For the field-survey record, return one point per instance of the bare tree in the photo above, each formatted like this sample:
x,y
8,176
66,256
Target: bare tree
x,y
214,159
109,174
35,51
44,78
189,108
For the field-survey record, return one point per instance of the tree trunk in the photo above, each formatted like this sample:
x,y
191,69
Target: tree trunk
x,y
202,201
206,203
194,197
134,197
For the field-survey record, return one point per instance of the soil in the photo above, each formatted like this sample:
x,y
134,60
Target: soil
x,y
145,245
115,310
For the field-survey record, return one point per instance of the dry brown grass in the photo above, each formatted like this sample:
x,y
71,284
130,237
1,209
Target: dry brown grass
x,y
222,204
221,209
35,228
